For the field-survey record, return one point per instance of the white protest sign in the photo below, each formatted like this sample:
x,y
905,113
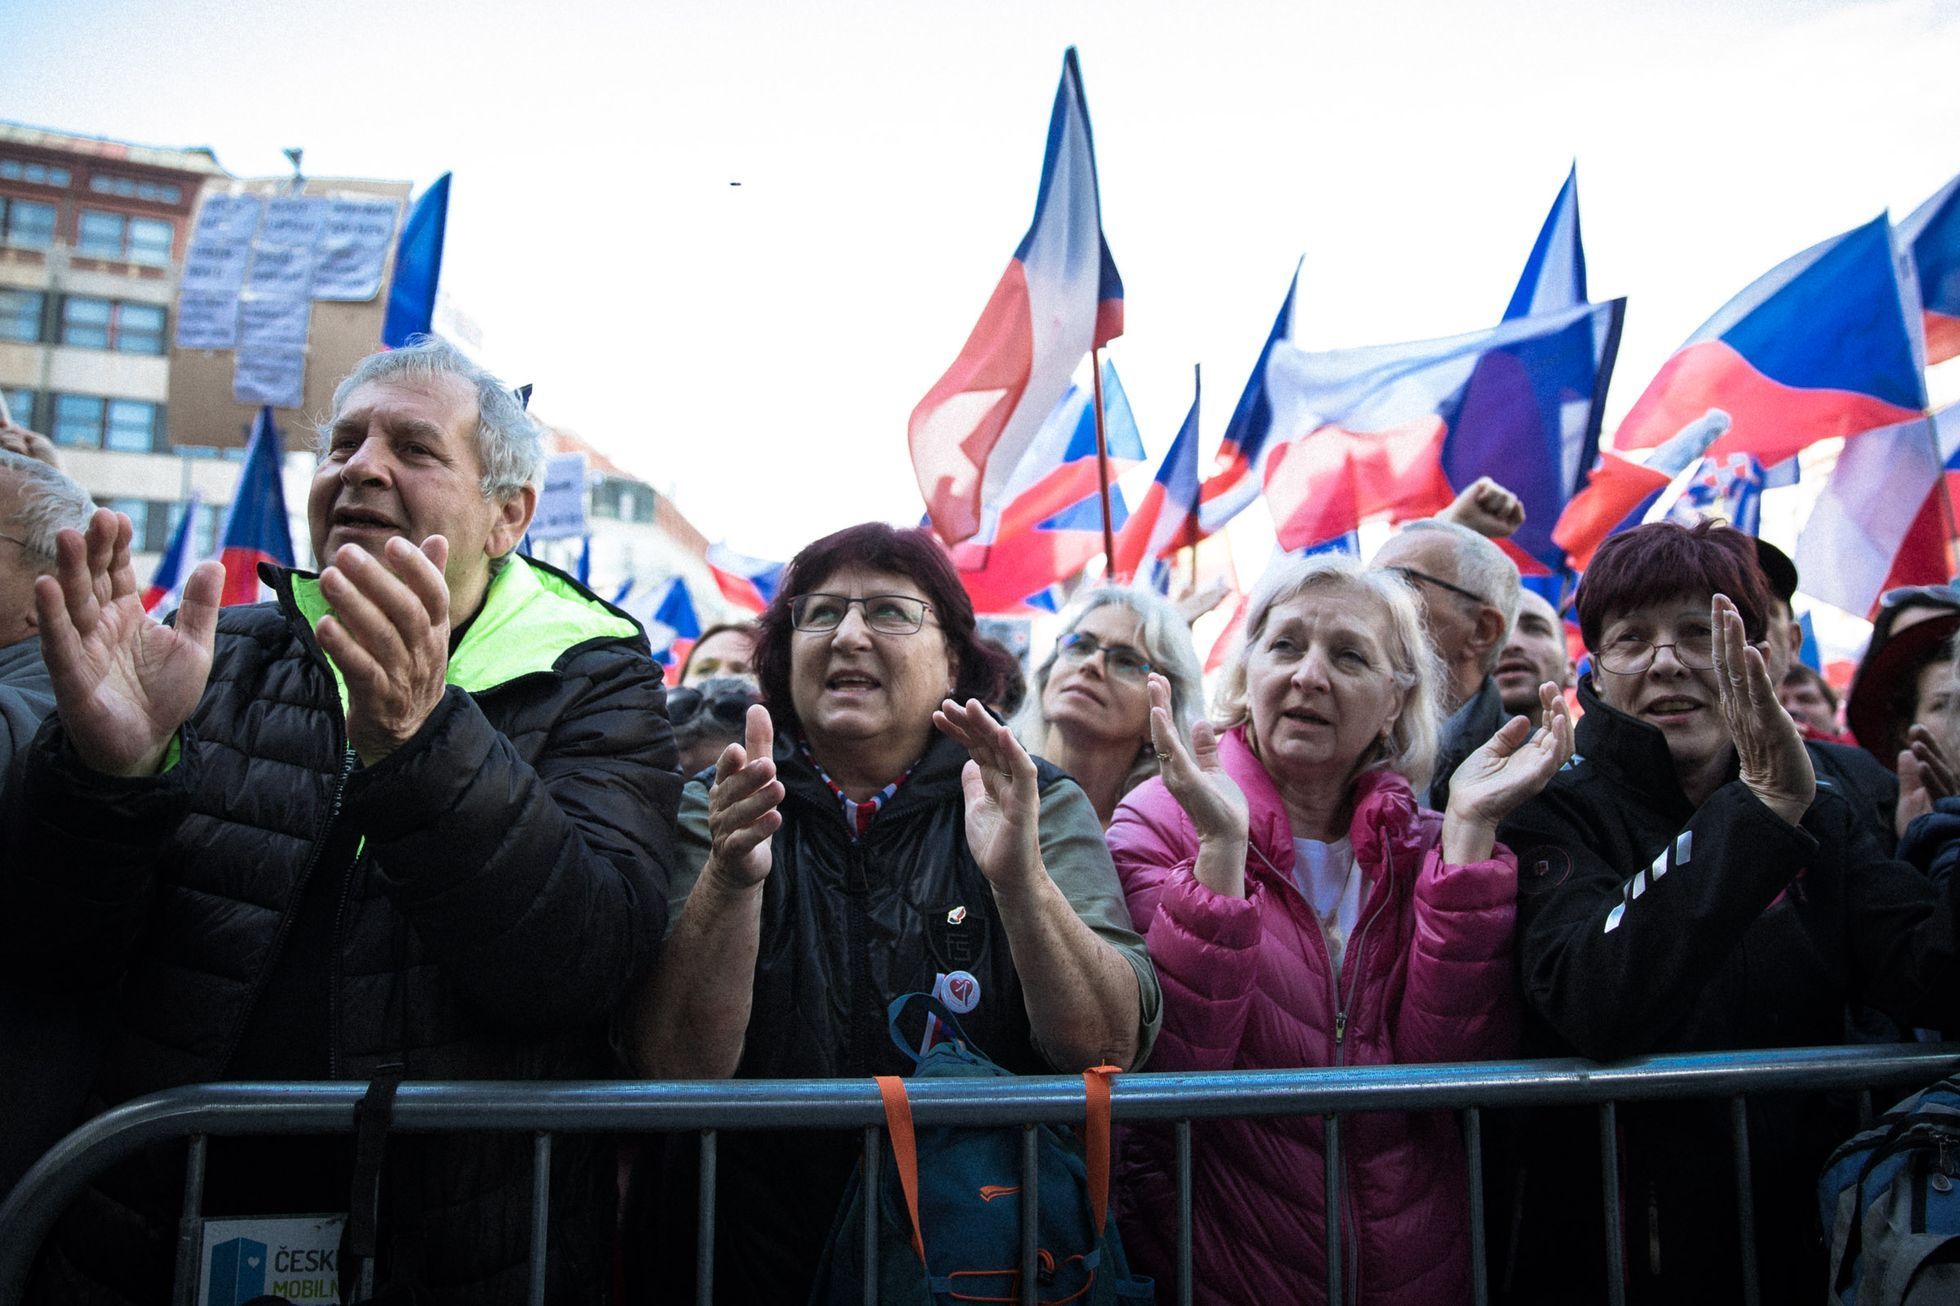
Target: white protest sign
x,y
561,505
269,376
354,248
221,244
298,220
207,321
272,322
282,271
294,1256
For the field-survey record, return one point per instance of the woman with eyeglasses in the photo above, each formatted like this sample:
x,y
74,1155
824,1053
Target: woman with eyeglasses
x,y
1304,911
876,833
1088,711
1686,886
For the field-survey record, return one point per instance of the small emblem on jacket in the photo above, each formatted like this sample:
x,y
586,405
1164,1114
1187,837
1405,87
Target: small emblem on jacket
x,y
955,916
990,1191
959,991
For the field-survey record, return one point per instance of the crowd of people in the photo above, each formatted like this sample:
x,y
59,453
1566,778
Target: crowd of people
x,y
432,814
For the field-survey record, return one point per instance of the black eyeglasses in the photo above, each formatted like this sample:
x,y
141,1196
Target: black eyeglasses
x,y
888,614
1121,659
1411,574
685,702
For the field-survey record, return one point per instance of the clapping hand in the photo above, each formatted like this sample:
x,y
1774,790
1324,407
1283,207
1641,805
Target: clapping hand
x,y
389,635
1003,804
1926,775
743,803
1512,766
1210,797
123,682
1774,763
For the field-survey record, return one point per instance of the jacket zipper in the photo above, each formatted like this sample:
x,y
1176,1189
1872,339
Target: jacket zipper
x,y
339,919
286,920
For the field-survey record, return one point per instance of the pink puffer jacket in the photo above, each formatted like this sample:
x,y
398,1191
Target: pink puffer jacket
x,y
1428,976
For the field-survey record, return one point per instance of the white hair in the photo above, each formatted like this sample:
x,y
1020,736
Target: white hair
x,y
45,501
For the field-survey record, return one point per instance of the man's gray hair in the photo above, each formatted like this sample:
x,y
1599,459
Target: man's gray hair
x,y
1482,568
44,500
509,443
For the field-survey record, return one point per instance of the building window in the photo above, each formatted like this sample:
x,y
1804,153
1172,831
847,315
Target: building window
x,y
110,324
622,500
29,224
132,189
150,521
21,312
20,403
40,174
135,427
77,421
118,236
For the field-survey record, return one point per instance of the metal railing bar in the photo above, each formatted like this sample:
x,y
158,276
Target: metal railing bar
x,y
1184,1213
1473,1153
190,1229
874,1155
1745,1200
1330,1149
540,1213
1030,1214
704,1236
1609,1186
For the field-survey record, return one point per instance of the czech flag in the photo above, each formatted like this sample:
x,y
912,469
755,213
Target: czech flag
x,y
746,582
1234,479
1530,415
256,528
1167,519
1059,299
1619,491
1363,431
418,267
174,567
1881,520
673,627
1931,238
1821,346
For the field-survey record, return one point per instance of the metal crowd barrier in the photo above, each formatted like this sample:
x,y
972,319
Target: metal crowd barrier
x,y
544,1110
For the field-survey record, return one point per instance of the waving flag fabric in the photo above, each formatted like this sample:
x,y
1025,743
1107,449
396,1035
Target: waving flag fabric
x,y
1167,519
1725,487
1881,521
1234,478
1619,491
1530,414
1059,298
167,586
1931,239
1361,432
744,581
418,267
256,528
673,626
1820,346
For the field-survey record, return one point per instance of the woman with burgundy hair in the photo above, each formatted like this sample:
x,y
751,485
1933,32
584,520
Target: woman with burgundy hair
x,y
876,833
1687,885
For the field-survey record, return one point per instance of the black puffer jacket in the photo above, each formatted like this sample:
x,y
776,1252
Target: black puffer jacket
x,y
1648,924
510,884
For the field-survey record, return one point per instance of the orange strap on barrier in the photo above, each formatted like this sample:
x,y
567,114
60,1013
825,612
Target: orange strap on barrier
x,y
1095,1140
905,1150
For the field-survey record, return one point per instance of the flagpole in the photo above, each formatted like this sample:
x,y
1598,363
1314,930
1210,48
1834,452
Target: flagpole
x,y
1191,526
1947,529
1102,465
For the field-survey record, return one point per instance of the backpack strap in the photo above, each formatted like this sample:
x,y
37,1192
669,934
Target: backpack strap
x,y
1095,1083
905,1150
895,1012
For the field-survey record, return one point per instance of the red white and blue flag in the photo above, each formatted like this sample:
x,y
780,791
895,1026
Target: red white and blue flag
x,y
1825,344
174,568
256,527
1882,518
673,625
1931,241
1167,519
1726,487
1620,492
1233,481
1360,433
746,582
1059,299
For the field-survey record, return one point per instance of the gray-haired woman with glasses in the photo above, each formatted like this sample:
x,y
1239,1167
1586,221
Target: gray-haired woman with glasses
x,y
1088,708
1687,885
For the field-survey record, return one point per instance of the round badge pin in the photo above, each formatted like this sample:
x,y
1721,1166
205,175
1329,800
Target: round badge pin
x,y
961,992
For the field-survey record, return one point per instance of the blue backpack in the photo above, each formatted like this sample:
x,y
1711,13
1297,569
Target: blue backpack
x,y
1890,1197
949,1201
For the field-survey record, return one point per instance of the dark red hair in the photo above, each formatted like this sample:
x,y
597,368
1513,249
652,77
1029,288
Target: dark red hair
x,y
876,546
1664,560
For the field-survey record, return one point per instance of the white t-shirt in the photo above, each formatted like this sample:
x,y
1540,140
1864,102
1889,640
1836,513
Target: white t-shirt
x,y
1328,880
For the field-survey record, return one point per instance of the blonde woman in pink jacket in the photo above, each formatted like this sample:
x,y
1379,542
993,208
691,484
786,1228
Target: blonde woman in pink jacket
x,y
1303,911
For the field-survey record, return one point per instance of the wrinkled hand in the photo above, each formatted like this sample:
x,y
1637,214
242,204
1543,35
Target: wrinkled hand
x,y
1003,804
1775,765
1486,508
1926,775
1210,797
29,444
1511,767
123,682
743,803
1195,603
389,635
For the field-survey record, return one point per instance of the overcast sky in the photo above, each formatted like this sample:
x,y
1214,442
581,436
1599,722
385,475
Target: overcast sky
x,y
756,349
